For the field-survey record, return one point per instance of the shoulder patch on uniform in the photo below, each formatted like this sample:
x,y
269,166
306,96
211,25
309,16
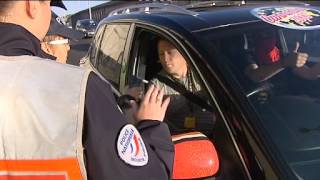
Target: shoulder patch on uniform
x,y
131,147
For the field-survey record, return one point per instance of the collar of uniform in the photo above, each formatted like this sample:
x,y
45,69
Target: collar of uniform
x,y
15,40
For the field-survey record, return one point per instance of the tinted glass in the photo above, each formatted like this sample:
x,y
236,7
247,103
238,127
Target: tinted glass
x,y
111,50
95,45
267,62
88,23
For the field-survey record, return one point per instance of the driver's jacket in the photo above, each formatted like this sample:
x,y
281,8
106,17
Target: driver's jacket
x,y
41,139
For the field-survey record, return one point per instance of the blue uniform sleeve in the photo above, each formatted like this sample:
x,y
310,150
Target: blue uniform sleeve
x,y
102,124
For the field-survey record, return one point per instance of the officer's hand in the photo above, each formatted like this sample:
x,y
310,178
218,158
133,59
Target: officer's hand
x,y
153,107
296,59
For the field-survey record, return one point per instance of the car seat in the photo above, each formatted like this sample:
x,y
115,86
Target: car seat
x,y
152,58
234,51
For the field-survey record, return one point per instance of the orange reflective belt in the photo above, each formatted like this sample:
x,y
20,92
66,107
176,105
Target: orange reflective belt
x,y
58,169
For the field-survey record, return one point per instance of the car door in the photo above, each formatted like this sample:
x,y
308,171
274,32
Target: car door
x,y
110,53
143,64
227,57
90,58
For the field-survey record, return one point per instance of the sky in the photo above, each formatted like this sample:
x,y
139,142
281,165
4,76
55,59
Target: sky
x,y
75,6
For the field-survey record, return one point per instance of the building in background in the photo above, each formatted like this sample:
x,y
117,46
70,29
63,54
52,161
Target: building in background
x,y
101,11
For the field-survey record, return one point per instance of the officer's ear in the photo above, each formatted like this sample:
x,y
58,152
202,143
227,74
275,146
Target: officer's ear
x,y
32,8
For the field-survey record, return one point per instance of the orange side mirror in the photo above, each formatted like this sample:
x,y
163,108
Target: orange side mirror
x,y
195,156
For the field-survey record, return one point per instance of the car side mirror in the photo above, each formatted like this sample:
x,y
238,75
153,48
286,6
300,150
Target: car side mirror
x,y
195,156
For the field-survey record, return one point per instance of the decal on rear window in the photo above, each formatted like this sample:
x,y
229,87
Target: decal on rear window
x,y
300,18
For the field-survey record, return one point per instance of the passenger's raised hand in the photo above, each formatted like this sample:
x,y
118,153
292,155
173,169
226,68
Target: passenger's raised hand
x,y
296,59
153,107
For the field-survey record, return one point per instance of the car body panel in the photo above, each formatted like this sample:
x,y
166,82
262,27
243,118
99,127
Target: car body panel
x,y
240,133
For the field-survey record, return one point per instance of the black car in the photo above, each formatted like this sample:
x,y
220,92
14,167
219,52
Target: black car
x,y
87,26
262,130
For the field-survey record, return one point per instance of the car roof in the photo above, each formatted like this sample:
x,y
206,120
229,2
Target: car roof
x,y
197,19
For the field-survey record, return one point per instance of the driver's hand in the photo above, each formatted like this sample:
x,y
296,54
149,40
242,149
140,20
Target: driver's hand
x,y
296,59
152,106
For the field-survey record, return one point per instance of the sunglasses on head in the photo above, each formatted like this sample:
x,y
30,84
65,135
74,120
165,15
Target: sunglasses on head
x,y
59,42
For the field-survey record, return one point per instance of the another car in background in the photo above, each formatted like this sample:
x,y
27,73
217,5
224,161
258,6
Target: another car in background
x,y
87,26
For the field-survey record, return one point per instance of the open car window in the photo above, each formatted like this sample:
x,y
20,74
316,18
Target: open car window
x,y
184,112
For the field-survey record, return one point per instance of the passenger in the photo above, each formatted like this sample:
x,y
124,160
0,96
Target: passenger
x,y
60,121
267,60
183,112
57,40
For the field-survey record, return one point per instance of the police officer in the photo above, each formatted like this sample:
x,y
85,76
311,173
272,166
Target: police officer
x,y
57,40
61,121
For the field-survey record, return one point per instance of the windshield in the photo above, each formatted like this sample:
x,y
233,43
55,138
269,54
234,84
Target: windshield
x,y
88,23
277,70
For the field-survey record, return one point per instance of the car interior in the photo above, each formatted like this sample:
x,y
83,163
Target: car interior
x,y
288,114
146,63
144,59
235,50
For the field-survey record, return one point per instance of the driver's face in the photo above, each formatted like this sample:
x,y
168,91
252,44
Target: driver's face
x,y
170,58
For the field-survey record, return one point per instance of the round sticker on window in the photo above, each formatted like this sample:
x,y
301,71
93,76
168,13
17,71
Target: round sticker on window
x,y
300,18
131,147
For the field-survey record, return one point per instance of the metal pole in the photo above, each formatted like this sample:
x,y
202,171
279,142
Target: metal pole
x,y
89,7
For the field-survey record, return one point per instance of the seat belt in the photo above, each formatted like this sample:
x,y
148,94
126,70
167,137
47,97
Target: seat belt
x,y
183,91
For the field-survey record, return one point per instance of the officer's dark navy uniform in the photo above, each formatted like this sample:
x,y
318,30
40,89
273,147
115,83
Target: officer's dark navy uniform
x,y
102,125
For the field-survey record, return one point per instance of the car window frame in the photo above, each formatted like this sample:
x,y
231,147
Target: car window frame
x,y
123,58
191,57
101,28
166,34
